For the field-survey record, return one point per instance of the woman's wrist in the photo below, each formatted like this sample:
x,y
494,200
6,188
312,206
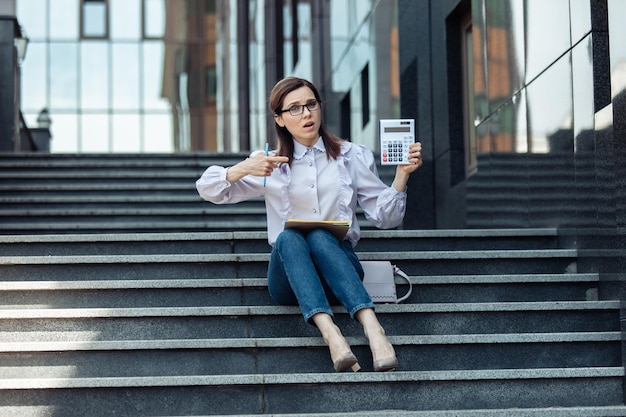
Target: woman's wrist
x,y
400,181
232,173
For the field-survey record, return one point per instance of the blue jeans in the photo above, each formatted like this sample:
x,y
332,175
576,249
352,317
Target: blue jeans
x,y
314,270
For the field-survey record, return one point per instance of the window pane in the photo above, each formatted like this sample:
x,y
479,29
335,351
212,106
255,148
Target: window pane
x,y
32,16
153,76
126,133
155,18
64,19
94,133
94,76
63,76
126,83
34,78
125,19
64,129
94,18
158,133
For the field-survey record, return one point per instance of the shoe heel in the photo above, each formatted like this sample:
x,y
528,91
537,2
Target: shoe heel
x,y
386,364
348,360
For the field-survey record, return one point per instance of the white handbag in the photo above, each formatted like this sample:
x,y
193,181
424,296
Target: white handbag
x,y
380,281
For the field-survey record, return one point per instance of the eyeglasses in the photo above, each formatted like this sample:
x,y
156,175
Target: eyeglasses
x,y
298,109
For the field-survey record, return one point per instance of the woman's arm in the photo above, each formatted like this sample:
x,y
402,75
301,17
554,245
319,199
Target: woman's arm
x,y
257,164
221,185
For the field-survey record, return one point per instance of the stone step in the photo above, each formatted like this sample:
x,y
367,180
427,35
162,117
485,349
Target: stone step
x,y
76,324
136,215
599,411
89,190
195,266
308,354
253,291
256,242
141,226
607,411
124,201
317,392
110,162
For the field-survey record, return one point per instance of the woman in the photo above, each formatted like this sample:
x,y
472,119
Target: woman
x,y
314,175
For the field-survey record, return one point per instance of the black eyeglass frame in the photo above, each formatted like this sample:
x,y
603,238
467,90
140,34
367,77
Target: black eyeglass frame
x,y
313,103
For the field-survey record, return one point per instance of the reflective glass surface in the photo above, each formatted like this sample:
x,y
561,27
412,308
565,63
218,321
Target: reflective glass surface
x,y
65,133
144,58
617,33
125,18
593,202
63,72
94,129
94,19
550,109
552,183
580,12
64,19
94,75
125,67
34,67
126,132
155,17
32,15
560,153
582,83
157,136
505,50
547,34
479,44
152,76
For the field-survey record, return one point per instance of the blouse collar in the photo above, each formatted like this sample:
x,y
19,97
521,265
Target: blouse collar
x,y
299,150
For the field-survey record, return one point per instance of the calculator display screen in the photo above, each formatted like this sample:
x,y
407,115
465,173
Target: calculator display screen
x,y
397,129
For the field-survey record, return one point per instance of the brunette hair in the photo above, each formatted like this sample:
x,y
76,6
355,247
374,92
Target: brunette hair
x,y
285,140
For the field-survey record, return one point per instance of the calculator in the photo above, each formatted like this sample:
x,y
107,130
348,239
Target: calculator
x,y
396,136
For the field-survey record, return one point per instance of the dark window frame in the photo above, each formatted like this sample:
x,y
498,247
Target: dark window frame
x,y
106,35
469,112
144,36
365,95
460,96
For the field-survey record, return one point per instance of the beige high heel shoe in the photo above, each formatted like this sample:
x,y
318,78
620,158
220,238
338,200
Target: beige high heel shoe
x,y
383,354
347,360
340,352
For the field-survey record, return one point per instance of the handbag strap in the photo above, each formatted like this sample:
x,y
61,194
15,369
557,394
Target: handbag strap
x,y
401,274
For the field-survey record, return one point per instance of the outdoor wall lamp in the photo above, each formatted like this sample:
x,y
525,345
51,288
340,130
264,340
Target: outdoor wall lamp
x,y
21,43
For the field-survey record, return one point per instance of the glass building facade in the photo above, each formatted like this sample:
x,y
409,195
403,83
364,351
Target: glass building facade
x,y
194,75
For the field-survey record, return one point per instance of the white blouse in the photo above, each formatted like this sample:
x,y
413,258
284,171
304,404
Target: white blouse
x,y
314,188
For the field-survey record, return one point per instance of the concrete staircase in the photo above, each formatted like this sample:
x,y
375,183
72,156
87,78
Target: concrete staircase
x,y
179,323
558,189
112,193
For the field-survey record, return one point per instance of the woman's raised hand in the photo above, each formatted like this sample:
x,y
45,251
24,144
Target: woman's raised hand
x,y
259,165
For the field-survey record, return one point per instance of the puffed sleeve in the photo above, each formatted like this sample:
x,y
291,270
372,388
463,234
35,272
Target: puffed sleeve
x,y
383,205
213,186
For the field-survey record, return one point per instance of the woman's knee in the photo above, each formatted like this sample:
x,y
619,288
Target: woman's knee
x,y
289,237
320,238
